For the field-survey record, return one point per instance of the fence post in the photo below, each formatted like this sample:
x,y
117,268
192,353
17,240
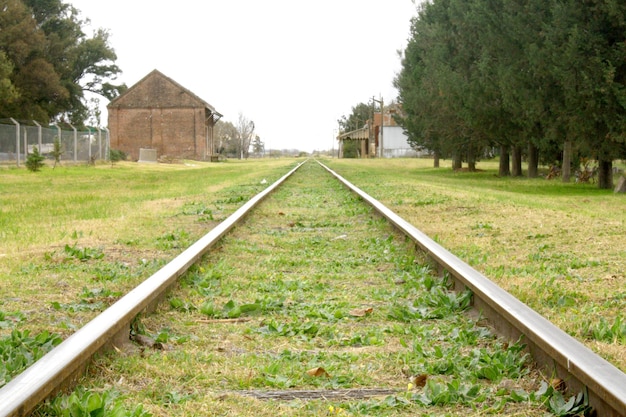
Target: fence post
x,y
107,144
99,143
75,143
17,139
89,145
39,135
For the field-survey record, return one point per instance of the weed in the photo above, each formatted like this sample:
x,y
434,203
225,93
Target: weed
x,y
181,305
83,403
305,330
174,397
116,271
173,240
448,393
229,310
82,254
198,209
9,320
499,364
19,350
605,331
91,300
482,226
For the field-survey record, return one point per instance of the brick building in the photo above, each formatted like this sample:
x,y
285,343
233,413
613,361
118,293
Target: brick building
x,y
158,113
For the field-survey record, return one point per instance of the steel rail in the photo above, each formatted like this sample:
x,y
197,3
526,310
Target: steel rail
x,y
557,352
21,395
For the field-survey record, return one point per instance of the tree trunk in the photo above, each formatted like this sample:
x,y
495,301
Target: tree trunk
x,y
566,169
504,170
533,161
471,159
516,170
605,174
457,163
436,160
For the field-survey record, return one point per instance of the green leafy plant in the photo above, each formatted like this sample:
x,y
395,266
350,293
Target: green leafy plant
x,y
553,399
447,393
501,363
304,330
173,240
606,331
179,304
230,310
8,320
84,403
174,397
111,271
20,350
198,209
82,254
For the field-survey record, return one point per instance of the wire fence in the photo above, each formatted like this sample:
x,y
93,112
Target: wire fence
x,y
19,138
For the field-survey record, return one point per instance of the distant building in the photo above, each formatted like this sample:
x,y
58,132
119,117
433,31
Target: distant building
x,y
394,142
158,113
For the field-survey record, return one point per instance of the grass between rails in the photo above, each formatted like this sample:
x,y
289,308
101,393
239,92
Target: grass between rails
x,y
326,296
558,247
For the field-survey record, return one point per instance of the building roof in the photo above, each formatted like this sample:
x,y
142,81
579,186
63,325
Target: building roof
x,y
358,134
160,91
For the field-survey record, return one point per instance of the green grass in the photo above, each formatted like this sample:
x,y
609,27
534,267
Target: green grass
x,y
111,226
314,291
559,247
310,277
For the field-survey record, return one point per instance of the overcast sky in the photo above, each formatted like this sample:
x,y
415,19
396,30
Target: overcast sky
x,y
293,67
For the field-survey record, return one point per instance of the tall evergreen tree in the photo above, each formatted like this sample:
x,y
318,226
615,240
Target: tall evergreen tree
x,y
586,48
531,76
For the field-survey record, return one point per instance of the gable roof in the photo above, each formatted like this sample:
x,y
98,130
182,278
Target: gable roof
x,y
158,90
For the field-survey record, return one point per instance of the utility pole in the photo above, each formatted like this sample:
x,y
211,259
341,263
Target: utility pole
x,y
380,149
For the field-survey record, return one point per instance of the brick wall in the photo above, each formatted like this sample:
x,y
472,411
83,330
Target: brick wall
x,y
157,113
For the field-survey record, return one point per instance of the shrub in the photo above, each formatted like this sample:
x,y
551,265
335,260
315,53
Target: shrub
x,y
34,161
117,155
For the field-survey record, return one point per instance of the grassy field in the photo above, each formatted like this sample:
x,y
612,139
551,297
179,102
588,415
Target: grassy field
x,y
73,239
315,292
127,219
560,248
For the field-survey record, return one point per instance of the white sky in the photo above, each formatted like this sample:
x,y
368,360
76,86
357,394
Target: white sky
x,y
293,67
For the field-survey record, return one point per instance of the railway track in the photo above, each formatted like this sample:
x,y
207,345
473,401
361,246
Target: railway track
x,y
558,354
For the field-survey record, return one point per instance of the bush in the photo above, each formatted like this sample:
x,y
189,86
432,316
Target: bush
x,y
117,155
34,161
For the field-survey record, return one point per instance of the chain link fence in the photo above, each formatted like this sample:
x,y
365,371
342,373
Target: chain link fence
x,y
19,137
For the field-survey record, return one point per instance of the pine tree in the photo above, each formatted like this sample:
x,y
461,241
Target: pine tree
x,y
34,161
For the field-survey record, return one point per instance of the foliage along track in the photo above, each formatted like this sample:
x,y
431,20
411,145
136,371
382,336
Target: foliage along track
x,y
315,305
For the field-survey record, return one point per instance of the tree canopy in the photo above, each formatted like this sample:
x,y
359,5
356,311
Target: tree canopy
x,y
236,140
47,62
530,77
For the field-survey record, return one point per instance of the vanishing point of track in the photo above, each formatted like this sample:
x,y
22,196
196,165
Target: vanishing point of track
x,y
555,351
